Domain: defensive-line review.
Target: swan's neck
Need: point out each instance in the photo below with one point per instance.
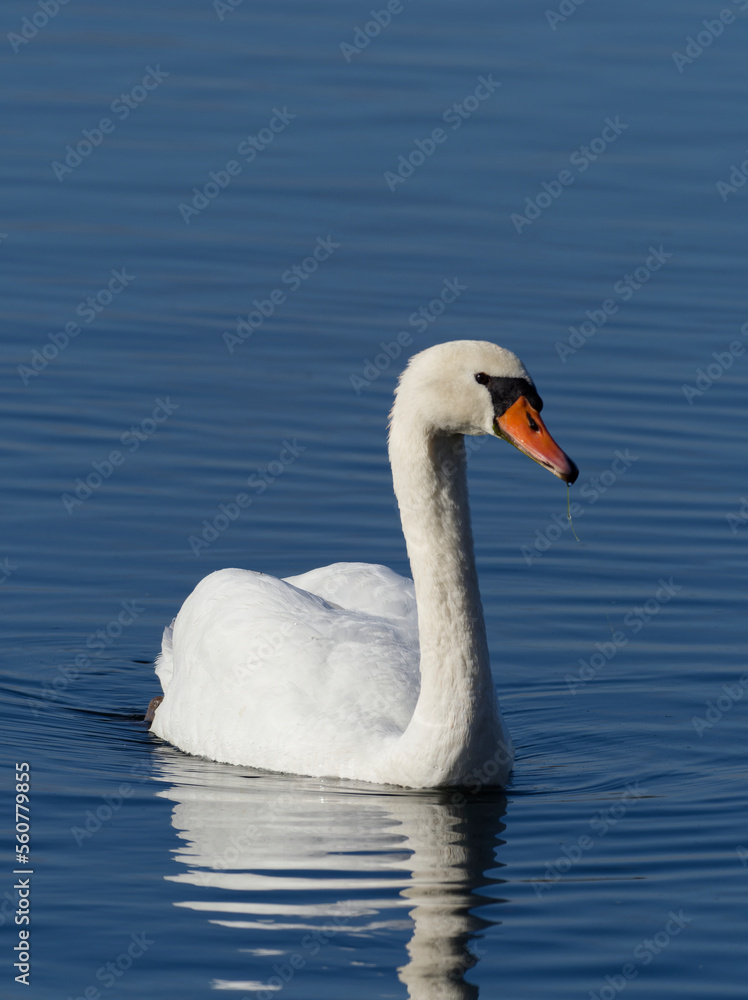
(456, 726)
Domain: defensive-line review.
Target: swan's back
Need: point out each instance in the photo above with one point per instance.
(296, 675)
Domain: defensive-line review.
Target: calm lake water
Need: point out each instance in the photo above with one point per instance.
(170, 170)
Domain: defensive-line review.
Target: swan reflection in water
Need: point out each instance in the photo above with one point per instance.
(314, 865)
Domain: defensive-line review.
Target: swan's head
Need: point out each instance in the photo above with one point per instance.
(474, 387)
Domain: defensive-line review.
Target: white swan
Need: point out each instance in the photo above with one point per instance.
(320, 674)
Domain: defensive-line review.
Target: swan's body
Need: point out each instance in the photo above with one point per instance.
(322, 674)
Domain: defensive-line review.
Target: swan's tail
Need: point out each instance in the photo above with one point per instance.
(164, 662)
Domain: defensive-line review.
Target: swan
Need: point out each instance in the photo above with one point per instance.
(351, 671)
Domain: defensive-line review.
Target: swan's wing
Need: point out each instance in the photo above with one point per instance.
(365, 587)
(268, 674)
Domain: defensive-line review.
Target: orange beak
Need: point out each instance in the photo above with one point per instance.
(522, 426)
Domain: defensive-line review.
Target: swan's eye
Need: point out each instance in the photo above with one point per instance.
(531, 423)
(482, 379)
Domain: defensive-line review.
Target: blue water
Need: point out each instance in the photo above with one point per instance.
(617, 861)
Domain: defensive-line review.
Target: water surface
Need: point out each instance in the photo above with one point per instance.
(618, 853)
